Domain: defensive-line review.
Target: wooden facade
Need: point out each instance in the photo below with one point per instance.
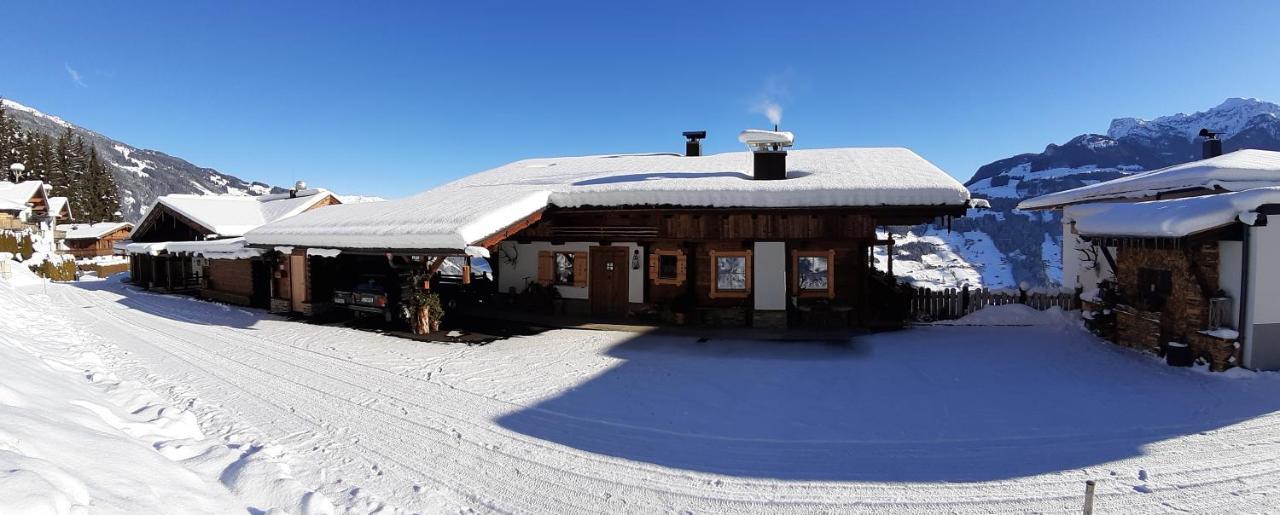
(676, 252)
(101, 246)
(264, 281)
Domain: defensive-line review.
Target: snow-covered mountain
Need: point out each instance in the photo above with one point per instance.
(1027, 244)
(141, 175)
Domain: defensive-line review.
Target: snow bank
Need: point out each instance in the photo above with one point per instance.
(1169, 218)
(75, 438)
(1015, 314)
(465, 211)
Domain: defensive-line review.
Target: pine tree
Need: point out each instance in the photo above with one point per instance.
(10, 144)
(68, 164)
(104, 203)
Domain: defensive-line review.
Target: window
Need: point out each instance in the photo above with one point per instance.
(562, 268)
(1154, 288)
(812, 273)
(667, 267)
(731, 271)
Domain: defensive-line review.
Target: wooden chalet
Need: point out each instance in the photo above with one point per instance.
(23, 205)
(767, 238)
(195, 243)
(94, 240)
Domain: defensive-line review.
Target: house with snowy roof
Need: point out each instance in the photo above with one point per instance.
(93, 240)
(1181, 260)
(196, 242)
(24, 204)
(762, 238)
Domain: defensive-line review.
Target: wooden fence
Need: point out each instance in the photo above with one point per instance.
(928, 305)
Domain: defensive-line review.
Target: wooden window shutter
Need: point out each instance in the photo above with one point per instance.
(681, 264)
(580, 271)
(831, 274)
(653, 267)
(546, 267)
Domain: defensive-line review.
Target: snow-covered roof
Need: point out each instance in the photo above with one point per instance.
(227, 248)
(92, 231)
(57, 205)
(15, 196)
(1237, 171)
(465, 211)
(233, 215)
(1169, 218)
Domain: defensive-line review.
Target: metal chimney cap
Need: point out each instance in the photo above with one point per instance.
(695, 135)
(1206, 133)
(763, 138)
(300, 185)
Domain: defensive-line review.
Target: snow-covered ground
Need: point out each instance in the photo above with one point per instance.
(931, 419)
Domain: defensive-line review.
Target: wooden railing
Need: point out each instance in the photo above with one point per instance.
(951, 303)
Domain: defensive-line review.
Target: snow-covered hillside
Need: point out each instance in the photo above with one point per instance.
(141, 175)
(1028, 242)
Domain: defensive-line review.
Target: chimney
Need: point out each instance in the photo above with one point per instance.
(1212, 145)
(297, 187)
(769, 154)
(693, 147)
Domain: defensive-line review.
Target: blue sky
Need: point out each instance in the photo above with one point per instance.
(394, 98)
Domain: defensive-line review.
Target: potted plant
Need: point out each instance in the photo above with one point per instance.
(424, 311)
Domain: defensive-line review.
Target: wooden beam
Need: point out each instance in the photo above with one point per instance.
(509, 230)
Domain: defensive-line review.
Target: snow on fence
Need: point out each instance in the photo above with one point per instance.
(927, 304)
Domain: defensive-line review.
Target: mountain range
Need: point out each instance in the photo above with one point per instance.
(1003, 247)
(141, 175)
(1000, 247)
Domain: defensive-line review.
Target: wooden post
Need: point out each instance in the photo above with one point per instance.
(1088, 496)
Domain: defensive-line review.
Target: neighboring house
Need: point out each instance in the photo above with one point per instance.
(194, 242)
(1187, 252)
(60, 209)
(23, 205)
(93, 240)
(742, 238)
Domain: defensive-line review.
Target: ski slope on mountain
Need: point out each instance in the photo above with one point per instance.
(951, 419)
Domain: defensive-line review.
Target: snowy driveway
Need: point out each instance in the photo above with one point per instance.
(964, 419)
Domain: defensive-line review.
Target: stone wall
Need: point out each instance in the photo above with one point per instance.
(1187, 310)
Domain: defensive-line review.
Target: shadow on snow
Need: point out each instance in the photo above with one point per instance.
(178, 307)
(928, 404)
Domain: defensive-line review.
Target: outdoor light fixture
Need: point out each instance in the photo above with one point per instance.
(635, 259)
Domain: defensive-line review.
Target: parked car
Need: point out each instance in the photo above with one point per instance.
(367, 297)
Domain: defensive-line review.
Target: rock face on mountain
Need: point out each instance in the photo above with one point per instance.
(1029, 242)
(141, 175)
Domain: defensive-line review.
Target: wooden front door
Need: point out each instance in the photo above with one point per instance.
(607, 286)
(297, 281)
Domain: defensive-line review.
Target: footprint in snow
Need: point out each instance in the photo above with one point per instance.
(1142, 474)
(1143, 489)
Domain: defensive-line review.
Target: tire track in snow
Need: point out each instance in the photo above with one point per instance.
(1061, 491)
